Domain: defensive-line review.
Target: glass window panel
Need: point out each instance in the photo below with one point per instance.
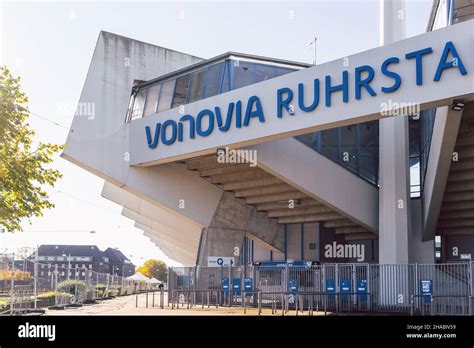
(138, 105)
(213, 80)
(244, 74)
(166, 95)
(348, 155)
(226, 80)
(310, 139)
(437, 241)
(368, 168)
(369, 138)
(414, 135)
(414, 171)
(180, 91)
(264, 72)
(196, 86)
(427, 119)
(330, 143)
(283, 71)
(152, 99)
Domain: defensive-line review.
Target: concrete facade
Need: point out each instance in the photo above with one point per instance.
(232, 220)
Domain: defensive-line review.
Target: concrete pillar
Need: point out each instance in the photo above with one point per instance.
(394, 180)
(232, 219)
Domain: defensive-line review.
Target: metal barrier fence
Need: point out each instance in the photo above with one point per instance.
(438, 289)
(26, 285)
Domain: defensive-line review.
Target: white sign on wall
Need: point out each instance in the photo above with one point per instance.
(217, 261)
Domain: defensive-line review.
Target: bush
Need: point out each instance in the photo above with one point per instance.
(52, 294)
(71, 286)
(100, 288)
(19, 275)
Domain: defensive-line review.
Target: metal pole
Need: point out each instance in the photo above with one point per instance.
(259, 301)
(56, 284)
(416, 289)
(12, 284)
(35, 284)
(68, 266)
(195, 283)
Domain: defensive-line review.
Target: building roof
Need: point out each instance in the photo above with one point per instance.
(221, 57)
(117, 257)
(74, 250)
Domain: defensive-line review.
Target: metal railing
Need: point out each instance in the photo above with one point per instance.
(26, 285)
(442, 304)
(350, 287)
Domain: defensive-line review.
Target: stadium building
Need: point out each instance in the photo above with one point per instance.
(241, 158)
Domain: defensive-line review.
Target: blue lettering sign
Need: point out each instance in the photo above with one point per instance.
(418, 55)
(455, 62)
(204, 123)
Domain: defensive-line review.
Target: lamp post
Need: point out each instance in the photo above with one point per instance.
(68, 264)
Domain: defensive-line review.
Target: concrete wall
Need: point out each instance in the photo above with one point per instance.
(298, 238)
(260, 253)
(443, 141)
(310, 235)
(293, 242)
(232, 220)
(463, 243)
(100, 144)
(419, 251)
(322, 179)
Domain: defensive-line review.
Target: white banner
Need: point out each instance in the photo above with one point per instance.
(217, 261)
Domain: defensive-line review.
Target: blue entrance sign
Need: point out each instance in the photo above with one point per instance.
(236, 286)
(426, 288)
(331, 288)
(346, 287)
(293, 286)
(248, 285)
(225, 285)
(362, 289)
(282, 264)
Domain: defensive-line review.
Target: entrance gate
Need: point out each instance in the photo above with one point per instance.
(435, 289)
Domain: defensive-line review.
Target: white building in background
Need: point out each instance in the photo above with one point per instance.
(335, 165)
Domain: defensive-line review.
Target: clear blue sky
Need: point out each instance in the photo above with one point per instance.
(50, 44)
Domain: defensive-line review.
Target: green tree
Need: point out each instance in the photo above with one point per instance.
(154, 268)
(23, 165)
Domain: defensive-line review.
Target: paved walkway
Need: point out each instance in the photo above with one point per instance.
(125, 305)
